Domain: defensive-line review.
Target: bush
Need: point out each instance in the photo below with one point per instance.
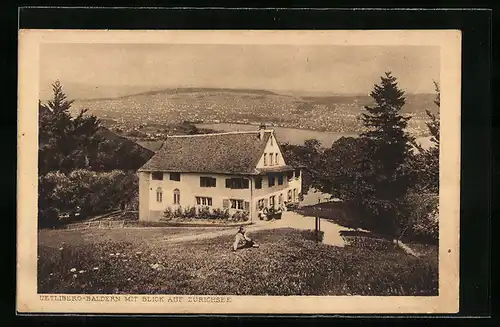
(167, 214)
(189, 213)
(220, 214)
(200, 213)
(423, 214)
(204, 213)
(92, 192)
(240, 216)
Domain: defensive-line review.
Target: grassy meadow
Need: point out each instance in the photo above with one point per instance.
(289, 262)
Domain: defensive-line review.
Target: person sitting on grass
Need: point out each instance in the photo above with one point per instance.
(242, 240)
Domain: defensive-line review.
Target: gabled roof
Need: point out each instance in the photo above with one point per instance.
(224, 153)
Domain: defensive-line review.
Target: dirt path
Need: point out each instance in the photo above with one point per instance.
(289, 220)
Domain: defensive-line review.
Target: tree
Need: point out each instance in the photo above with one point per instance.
(389, 177)
(307, 155)
(66, 143)
(426, 161)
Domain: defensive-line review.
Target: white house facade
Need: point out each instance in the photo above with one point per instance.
(237, 171)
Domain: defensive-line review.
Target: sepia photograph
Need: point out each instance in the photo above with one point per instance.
(209, 168)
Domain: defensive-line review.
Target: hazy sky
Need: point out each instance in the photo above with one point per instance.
(329, 68)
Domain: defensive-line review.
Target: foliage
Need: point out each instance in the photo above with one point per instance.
(91, 192)
(240, 216)
(307, 155)
(387, 173)
(423, 212)
(67, 143)
(426, 161)
(189, 213)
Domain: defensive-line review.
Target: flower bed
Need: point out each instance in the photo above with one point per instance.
(204, 214)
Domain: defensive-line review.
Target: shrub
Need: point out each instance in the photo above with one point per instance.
(423, 214)
(189, 213)
(240, 216)
(220, 214)
(168, 214)
(92, 192)
(204, 213)
(178, 212)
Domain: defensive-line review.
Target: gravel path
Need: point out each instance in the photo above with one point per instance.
(289, 220)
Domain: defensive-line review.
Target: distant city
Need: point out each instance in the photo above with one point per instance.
(153, 115)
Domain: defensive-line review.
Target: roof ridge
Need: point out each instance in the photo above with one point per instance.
(222, 133)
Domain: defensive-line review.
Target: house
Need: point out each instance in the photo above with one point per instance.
(238, 171)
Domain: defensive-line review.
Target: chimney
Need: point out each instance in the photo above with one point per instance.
(262, 128)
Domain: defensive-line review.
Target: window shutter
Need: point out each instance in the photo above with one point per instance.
(225, 202)
(247, 206)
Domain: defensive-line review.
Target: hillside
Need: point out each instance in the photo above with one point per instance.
(327, 113)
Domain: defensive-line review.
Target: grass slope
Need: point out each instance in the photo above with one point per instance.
(288, 262)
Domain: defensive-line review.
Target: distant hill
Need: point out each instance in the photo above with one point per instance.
(338, 113)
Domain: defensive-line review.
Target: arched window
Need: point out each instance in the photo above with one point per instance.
(177, 196)
(159, 195)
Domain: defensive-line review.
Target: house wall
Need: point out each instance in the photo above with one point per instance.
(266, 192)
(143, 195)
(271, 147)
(189, 188)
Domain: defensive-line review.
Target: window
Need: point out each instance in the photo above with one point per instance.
(204, 201)
(280, 199)
(280, 180)
(295, 194)
(271, 140)
(237, 204)
(271, 180)
(276, 159)
(159, 195)
(290, 175)
(208, 182)
(175, 177)
(258, 182)
(297, 173)
(177, 196)
(237, 183)
(157, 176)
(260, 204)
(289, 195)
(265, 159)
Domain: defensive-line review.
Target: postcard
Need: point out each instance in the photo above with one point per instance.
(219, 171)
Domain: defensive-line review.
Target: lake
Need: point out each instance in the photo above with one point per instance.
(296, 135)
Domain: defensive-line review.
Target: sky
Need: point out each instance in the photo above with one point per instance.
(310, 68)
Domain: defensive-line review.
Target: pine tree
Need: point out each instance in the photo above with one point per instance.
(389, 177)
(66, 143)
